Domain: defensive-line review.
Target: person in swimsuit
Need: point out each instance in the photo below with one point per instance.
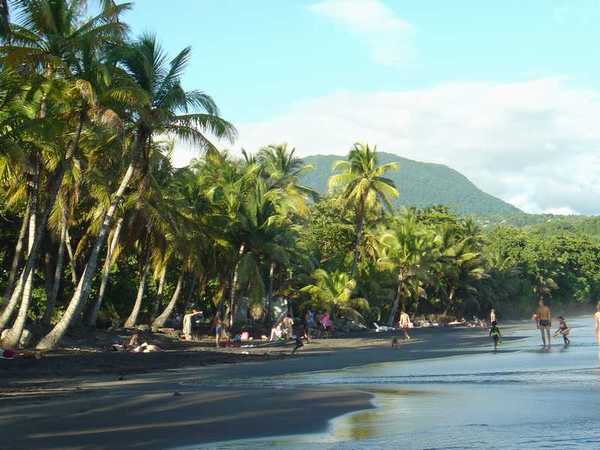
(492, 315)
(597, 322)
(544, 323)
(563, 330)
(495, 334)
(404, 324)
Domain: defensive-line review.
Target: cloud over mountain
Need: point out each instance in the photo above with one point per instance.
(534, 143)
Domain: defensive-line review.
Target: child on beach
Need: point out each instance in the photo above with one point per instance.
(495, 334)
(563, 330)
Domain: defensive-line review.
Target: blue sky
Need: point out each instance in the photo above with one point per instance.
(256, 57)
(507, 92)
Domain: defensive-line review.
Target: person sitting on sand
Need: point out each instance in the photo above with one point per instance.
(288, 326)
(128, 344)
(495, 334)
(326, 322)
(563, 330)
(276, 332)
(188, 320)
(147, 348)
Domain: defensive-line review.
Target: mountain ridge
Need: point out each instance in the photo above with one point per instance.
(420, 184)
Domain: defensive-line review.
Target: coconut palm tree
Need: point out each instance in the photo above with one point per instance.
(406, 248)
(363, 187)
(334, 291)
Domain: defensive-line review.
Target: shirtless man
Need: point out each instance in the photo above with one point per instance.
(597, 322)
(492, 315)
(544, 323)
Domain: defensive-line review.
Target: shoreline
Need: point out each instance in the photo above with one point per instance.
(198, 405)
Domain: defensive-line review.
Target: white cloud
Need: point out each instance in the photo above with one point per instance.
(533, 143)
(390, 39)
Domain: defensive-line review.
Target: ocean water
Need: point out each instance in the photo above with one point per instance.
(519, 398)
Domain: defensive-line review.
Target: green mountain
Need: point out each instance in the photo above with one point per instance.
(422, 184)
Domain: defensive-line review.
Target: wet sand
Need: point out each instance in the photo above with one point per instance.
(194, 405)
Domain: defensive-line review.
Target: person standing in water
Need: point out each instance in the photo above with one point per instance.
(544, 323)
(563, 330)
(597, 322)
(495, 334)
(404, 324)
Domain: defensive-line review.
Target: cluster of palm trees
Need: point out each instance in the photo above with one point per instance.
(84, 108)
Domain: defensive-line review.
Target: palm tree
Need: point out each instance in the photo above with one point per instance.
(334, 291)
(407, 249)
(460, 263)
(363, 187)
(168, 109)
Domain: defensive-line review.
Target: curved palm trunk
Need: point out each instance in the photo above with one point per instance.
(269, 295)
(234, 285)
(85, 281)
(159, 292)
(132, 319)
(14, 335)
(69, 248)
(396, 304)
(51, 301)
(110, 250)
(360, 222)
(159, 322)
(12, 275)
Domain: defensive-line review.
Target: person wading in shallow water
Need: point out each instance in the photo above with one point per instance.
(544, 323)
(597, 322)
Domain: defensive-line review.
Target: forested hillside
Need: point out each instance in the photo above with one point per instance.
(421, 185)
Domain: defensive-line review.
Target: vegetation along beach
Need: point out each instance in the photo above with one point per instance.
(179, 271)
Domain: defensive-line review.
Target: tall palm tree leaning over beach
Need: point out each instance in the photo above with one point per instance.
(363, 187)
(168, 109)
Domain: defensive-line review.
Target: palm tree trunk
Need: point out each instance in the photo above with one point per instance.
(14, 335)
(159, 322)
(159, 292)
(132, 319)
(234, 285)
(396, 304)
(58, 270)
(69, 248)
(85, 280)
(269, 295)
(110, 250)
(12, 275)
(360, 222)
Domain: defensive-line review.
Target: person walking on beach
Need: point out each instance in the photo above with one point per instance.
(310, 322)
(563, 330)
(544, 323)
(218, 329)
(404, 324)
(495, 334)
(492, 315)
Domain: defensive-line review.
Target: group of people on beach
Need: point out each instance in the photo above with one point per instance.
(543, 320)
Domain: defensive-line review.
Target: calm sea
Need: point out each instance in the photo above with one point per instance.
(518, 398)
